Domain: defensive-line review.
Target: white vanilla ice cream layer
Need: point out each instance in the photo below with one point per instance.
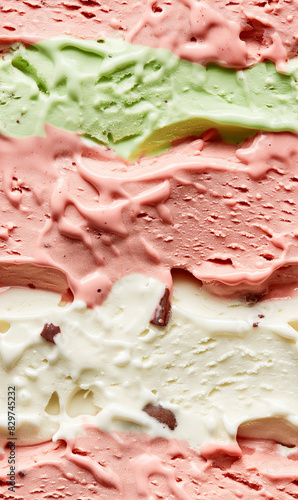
(218, 365)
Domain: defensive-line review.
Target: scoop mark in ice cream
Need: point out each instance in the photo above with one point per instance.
(50, 331)
(163, 415)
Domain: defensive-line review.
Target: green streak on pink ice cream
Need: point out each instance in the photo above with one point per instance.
(135, 99)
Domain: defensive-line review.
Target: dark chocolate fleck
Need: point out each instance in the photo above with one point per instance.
(77, 451)
(21, 473)
(162, 313)
(237, 478)
(163, 415)
(252, 298)
(88, 14)
(50, 331)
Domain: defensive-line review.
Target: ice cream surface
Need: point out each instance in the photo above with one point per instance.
(224, 213)
(224, 364)
(132, 380)
(138, 100)
(133, 466)
(235, 34)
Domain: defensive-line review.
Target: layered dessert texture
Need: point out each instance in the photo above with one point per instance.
(149, 249)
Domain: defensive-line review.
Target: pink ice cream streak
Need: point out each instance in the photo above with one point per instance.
(235, 34)
(133, 466)
(76, 216)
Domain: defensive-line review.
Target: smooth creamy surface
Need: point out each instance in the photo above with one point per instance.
(138, 100)
(236, 33)
(216, 365)
(74, 215)
(134, 467)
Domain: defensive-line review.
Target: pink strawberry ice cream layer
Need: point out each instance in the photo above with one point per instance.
(79, 217)
(235, 34)
(131, 467)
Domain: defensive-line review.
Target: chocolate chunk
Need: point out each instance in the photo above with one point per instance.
(252, 298)
(163, 415)
(77, 451)
(49, 331)
(162, 313)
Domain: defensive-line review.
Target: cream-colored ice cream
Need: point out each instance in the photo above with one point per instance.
(217, 365)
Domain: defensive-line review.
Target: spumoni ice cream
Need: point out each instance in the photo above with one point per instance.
(148, 310)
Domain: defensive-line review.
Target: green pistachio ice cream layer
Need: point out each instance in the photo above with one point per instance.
(136, 99)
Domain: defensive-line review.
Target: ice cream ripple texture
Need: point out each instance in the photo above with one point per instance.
(138, 100)
(235, 34)
(226, 367)
(112, 357)
(141, 468)
(225, 213)
(148, 249)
